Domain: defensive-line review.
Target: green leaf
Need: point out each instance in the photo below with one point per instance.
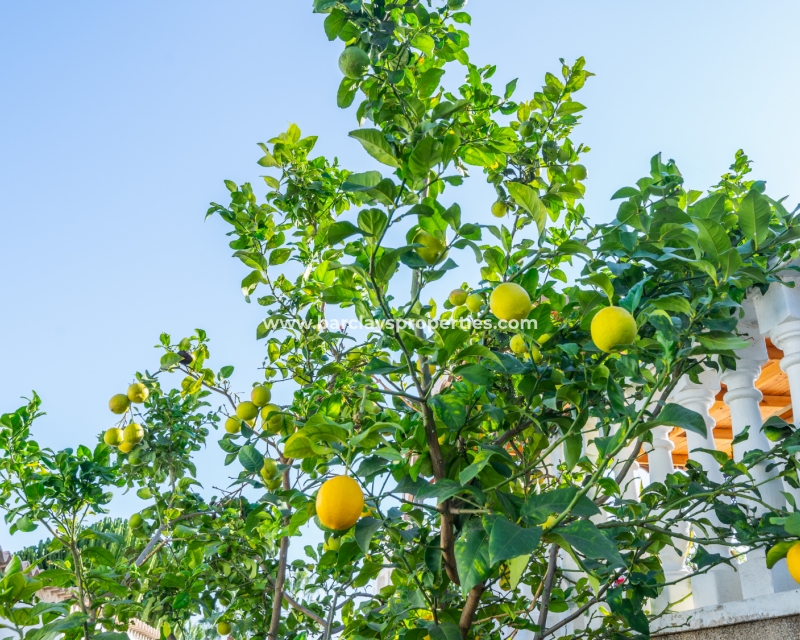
(713, 238)
(472, 557)
(450, 409)
(445, 631)
(376, 145)
(169, 360)
(754, 216)
(510, 541)
(677, 416)
(372, 222)
(346, 93)
(334, 22)
(479, 462)
(626, 192)
(528, 198)
(301, 447)
(365, 529)
(429, 82)
(586, 538)
(251, 458)
(539, 507)
(427, 154)
(424, 43)
(341, 230)
(792, 524)
(778, 552)
(721, 341)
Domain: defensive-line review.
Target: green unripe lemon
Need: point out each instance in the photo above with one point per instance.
(518, 345)
(224, 628)
(577, 172)
(371, 407)
(272, 417)
(509, 301)
(119, 403)
(233, 425)
(526, 129)
(126, 447)
(247, 410)
(260, 395)
(354, 62)
(432, 248)
(134, 433)
(613, 326)
(458, 297)
(137, 393)
(475, 303)
(499, 209)
(114, 437)
(136, 521)
(332, 544)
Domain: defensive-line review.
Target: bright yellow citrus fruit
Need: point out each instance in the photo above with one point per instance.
(224, 628)
(518, 345)
(544, 338)
(432, 248)
(134, 433)
(260, 395)
(233, 425)
(475, 303)
(114, 437)
(458, 297)
(793, 562)
(499, 209)
(340, 502)
(612, 327)
(119, 403)
(247, 410)
(536, 354)
(509, 301)
(126, 447)
(137, 393)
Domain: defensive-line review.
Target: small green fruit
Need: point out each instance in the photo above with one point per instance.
(247, 410)
(269, 470)
(134, 433)
(499, 209)
(577, 172)
(224, 628)
(475, 303)
(354, 62)
(136, 521)
(233, 425)
(260, 395)
(432, 249)
(137, 393)
(332, 544)
(526, 129)
(458, 297)
(119, 403)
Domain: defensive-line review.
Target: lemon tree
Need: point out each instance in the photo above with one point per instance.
(458, 460)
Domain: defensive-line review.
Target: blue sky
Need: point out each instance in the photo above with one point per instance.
(119, 121)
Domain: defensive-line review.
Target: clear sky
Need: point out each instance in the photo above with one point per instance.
(119, 121)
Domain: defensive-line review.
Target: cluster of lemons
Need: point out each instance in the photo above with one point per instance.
(272, 416)
(611, 326)
(126, 439)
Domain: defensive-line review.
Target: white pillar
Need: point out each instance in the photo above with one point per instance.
(678, 595)
(743, 399)
(720, 584)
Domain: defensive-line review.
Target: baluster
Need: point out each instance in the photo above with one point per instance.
(720, 584)
(659, 459)
(743, 399)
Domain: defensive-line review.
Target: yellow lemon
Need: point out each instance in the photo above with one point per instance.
(119, 403)
(458, 297)
(233, 425)
(126, 447)
(499, 209)
(551, 520)
(247, 410)
(114, 437)
(518, 345)
(475, 303)
(134, 433)
(543, 338)
(260, 395)
(137, 393)
(793, 562)
(611, 327)
(340, 502)
(432, 248)
(509, 301)
(224, 628)
(536, 354)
